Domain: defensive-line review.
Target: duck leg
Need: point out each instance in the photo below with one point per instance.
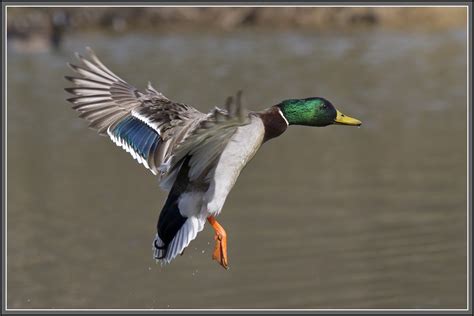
(220, 250)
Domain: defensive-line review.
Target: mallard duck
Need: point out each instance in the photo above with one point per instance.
(196, 156)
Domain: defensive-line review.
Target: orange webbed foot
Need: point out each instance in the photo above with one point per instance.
(220, 249)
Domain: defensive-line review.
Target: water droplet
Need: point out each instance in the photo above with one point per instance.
(28, 300)
(203, 251)
(149, 268)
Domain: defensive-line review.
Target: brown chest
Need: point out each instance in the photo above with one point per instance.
(273, 122)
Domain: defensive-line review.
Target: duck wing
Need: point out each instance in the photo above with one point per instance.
(158, 132)
(113, 107)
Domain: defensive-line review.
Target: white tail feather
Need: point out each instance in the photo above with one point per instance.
(181, 240)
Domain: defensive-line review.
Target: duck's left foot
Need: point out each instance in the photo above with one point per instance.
(220, 249)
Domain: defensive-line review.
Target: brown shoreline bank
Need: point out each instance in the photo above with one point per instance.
(33, 20)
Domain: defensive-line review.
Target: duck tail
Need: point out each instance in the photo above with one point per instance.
(164, 253)
(176, 227)
(159, 248)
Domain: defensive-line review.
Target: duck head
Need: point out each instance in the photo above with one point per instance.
(314, 112)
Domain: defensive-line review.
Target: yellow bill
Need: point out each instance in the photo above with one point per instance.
(342, 119)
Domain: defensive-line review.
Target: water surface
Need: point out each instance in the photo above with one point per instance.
(334, 217)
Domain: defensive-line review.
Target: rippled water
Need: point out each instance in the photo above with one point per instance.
(334, 217)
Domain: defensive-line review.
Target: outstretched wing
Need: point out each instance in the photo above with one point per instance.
(157, 132)
(113, 107)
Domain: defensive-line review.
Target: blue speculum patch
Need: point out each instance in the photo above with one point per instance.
(138, 135)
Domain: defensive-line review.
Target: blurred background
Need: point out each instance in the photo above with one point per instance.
(335, 217)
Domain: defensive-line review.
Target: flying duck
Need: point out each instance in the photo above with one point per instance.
(197, 157)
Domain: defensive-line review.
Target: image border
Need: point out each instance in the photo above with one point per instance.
(12, 4)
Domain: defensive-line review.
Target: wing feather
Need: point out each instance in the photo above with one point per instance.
(156, 131)
(106, 101)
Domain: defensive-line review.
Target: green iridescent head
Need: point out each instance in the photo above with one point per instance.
(313, 112)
